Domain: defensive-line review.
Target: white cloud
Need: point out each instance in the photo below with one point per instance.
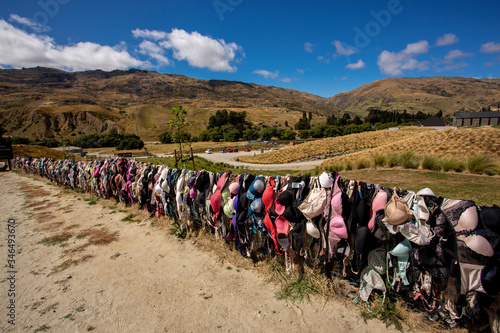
(417, 48)
(358, 65)
(300, 71)
(20, 49)
(341, 50)
(202, 51)
(323, 59)
(154, 51)
(308, 47)
(457, 54)
(394, 63)
(447, 39)
(36, 27)
(343, 78)
(149, 34)
(272, 75)
(267, 74)
(490, 47)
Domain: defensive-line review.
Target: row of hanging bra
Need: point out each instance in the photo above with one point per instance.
(434, 252)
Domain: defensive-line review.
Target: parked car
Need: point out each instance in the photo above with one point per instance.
(246, 149)
(222, 151)
(273, 149)
(208, 151)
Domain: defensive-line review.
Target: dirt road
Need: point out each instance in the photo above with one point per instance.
(79, 268)
(229, 158)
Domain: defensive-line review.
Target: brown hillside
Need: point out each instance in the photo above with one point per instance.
(426, 94)
(44, 102)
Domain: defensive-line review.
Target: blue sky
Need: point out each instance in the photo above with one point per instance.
(320, 47)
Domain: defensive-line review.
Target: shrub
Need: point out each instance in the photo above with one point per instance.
(431, 163)
(392, 161)
(165, 137)
(482, 165)
(379, 160)
(451, 164)
(362, 164)
(408, 160)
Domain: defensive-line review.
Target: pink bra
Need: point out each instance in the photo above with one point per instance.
(378, 203)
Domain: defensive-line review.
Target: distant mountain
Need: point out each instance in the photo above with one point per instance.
(427, 94)
(45, 102)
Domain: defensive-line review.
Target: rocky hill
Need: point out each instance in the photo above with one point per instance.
(45, 102)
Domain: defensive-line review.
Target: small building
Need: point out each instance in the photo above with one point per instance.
(483, 118)
(433, 121)
(72, 149)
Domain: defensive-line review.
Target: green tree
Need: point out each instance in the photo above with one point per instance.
(177, 125)
(288, 135)
(356, 121)
(165, 137)
(304, 134)
(267, 133)
(250, 134)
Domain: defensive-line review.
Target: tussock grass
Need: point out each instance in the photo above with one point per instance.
(408, 160)
(334, 146)
(392, 160)
(379, 160)
(362, 164)
(431, 163)
(482, 165)
(451, 164)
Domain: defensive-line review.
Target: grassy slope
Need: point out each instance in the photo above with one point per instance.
(333, 146)
(40, 151)
(459, 144)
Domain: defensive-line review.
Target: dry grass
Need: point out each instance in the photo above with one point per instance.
(41, 151)
(101, 236)
(334, 146)
(68, 263)
(458, 144)
(43, 217)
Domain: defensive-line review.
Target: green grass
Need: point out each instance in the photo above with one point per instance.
(129, 218)
(177, 231)
(42, 328)
(114, 256)
(392, 161)
(379, 160)
(481, 165)
(204, 164)
(408, 160)
(69, 316)
(54, 240)
(387, 314)
(483, 190)
(297, 290)
(431, 163)
(362, 164)
(451, 164)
